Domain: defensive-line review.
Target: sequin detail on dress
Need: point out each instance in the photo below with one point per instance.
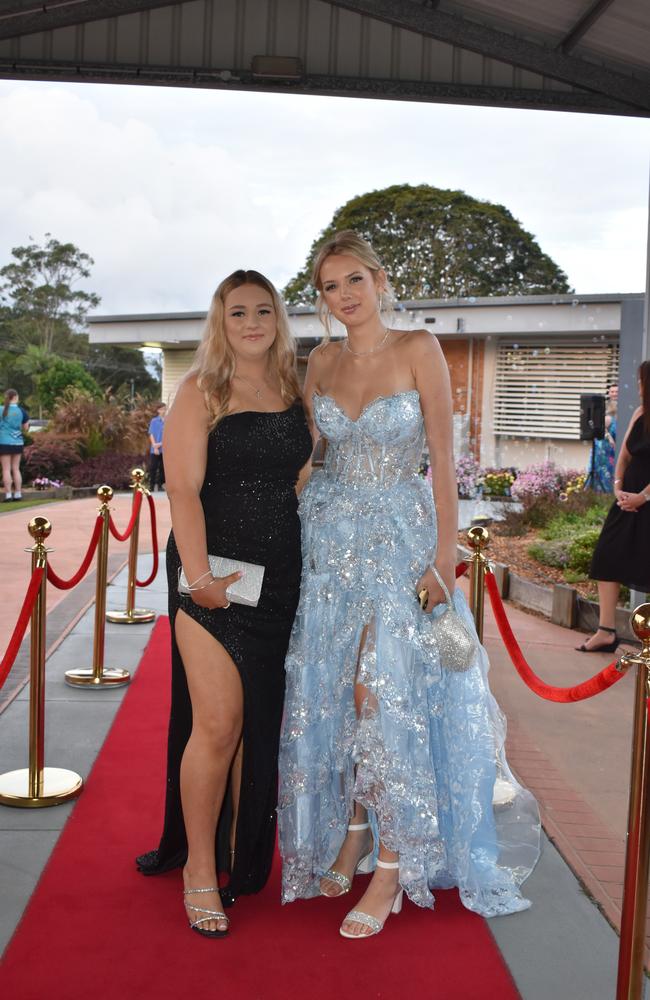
(250, 508)
(425, 753)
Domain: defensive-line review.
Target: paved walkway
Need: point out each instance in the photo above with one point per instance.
(72, 525)
(574, 757)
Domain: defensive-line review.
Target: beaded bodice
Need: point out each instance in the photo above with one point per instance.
(382, 447)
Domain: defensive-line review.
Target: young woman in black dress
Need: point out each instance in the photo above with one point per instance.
(623, 549)
(237, 449)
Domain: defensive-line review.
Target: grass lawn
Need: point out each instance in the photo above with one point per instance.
(9, 508)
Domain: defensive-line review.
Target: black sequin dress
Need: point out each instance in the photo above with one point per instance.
(250, 508)
(622, 553)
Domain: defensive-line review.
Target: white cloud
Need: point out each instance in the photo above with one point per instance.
(169, 190)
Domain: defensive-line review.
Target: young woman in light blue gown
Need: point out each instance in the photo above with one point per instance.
(388, 757)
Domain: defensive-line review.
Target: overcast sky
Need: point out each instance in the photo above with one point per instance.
(169, 190)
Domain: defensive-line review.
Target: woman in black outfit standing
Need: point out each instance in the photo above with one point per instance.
(622, 554)
(235, 443)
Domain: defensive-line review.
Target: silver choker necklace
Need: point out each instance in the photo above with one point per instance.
(363, 354)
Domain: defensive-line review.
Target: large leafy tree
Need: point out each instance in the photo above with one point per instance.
(441, 244)
(38, 285)
(43, 319)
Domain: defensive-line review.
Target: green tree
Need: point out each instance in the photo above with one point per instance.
(63, 375)
(121, 371)
(37, 286)
(440, 244)
(34, 363)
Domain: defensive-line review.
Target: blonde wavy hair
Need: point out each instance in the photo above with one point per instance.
(346, 241)
(214, 364)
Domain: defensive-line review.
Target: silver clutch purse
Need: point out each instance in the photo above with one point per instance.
(456, 644)
(245, 591)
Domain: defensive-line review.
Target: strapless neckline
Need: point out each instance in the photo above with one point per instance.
(368, 406)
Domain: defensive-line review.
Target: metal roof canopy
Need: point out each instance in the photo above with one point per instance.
(572, 55)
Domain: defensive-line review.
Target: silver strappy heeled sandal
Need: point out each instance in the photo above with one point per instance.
(208, 915)
(359, 917)
(364, 867)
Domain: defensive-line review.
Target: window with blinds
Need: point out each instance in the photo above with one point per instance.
(538, 384)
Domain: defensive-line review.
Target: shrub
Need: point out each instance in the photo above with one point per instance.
(554, 553)
(573, 521)
(59, 377)
(51, 457)
(468, 476)
(111, 468)
(103, 425)
(581, 550)
(498, 482)
(536, 481)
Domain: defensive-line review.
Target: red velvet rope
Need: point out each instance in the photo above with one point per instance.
(154, 545)
(461, 568)
(62, 584)
(21, 625)
(600, 682)
(137, 503)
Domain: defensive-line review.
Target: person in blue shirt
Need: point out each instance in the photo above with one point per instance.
(14, 421)
(156, 467)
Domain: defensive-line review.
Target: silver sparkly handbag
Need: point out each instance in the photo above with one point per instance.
(456, 645)
(245, 591)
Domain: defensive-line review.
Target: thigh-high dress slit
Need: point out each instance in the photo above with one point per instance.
(250, 507)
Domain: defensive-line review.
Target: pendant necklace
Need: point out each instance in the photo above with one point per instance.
(258, 392)
(363, 354)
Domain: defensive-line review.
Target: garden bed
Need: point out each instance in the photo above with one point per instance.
(513, 552)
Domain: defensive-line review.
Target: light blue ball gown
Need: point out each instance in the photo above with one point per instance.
(424, 756)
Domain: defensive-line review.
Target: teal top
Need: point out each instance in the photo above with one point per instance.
(11, 425)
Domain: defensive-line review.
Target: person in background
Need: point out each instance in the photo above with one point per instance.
(604, 456)
(621, 553)
(14, 422)
(156, 467)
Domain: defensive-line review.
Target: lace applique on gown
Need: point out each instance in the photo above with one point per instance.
(425, 754)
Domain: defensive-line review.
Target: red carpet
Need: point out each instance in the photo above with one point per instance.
(96, 928)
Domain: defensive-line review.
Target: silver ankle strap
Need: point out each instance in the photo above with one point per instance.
(358, 826)
(387, 864)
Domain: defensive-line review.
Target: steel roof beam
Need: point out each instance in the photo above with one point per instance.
(325, 84)
(477, 37)
(28, 18)
(582, 26)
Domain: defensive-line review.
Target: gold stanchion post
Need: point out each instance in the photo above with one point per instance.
(479, 539)
(99, 676)
(630, 982)
(38, 785)
(133, 615)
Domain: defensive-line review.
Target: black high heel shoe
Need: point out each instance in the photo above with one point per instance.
(608, 647)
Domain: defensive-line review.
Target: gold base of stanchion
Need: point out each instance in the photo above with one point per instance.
(110, 677)
(59, 786)
(135, 617)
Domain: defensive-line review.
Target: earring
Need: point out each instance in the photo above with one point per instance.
(380, 300)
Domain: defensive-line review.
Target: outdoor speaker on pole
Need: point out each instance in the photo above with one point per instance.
(592, 417)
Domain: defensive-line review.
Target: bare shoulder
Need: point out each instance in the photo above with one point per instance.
(321, 359)
(189, 401)
(421, 344)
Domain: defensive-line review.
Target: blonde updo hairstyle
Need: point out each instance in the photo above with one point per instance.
(346, 241)
(214, 364)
